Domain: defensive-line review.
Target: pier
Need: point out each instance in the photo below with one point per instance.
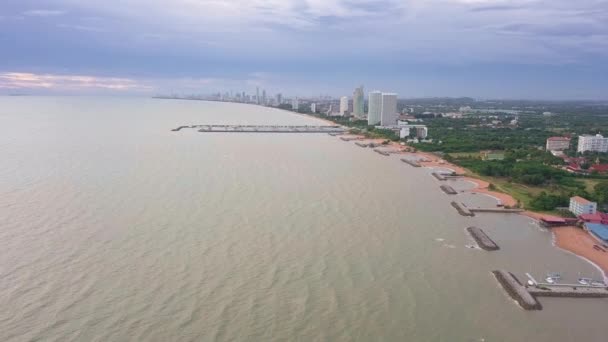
(262, 129)
(448, 190)
(497, 210)
(526, 296)
(482, 239)
(410, 162)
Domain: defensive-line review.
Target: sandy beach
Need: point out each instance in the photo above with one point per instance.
(572, 239)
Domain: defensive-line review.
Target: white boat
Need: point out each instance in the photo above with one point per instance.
(585, 281)
(550, 280)
(553, 278)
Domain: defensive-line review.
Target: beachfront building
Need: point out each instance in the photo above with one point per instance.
(596, 143)
(375, 108)
(358, 103)
(558, 143)
(295, 104)
(388, 113)
(344, 105)
(422, 132)
(313, 107)
(581, 206)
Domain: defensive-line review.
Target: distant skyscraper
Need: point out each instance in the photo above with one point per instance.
(295, 104)
(264, 96)
(313, 107)
(388, 114)
(343, 105)
(375, 108)
(257, 95)
(358, 103)
(279, 99)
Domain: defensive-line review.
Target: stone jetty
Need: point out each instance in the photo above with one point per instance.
(410, 162)
(516, 290)
(462, 210)
(384, 153)
(448, 190)
(482, 239)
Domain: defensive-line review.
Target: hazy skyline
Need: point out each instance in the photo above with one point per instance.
(554, 49)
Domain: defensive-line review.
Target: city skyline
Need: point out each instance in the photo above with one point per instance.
(501, 49)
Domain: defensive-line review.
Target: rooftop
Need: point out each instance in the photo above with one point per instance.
(581, 200)
(598, 229)
(558, 139)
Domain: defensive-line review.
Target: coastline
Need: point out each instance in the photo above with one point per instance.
(570, 239)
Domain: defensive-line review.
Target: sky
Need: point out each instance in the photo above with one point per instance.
(524, 49)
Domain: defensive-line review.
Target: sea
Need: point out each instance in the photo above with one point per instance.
(113, 227)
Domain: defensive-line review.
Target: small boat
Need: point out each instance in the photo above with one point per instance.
(585, 281)
(598, 283)
(530, 282)
(553, 278)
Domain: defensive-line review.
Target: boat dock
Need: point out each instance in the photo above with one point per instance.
(497, 210)
(526, 296)
(263, 129)
(384, 153)
(482, 239)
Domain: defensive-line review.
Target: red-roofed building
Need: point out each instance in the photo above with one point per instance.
(558, 143)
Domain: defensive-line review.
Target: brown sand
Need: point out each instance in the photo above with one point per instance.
(579, 242)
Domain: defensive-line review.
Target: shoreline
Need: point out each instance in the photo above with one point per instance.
(569, 239)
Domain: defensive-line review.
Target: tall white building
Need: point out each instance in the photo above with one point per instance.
(579, 206)
(388, 113)
(358, 103)
(344, 105)
(295, 104)
(595, 143)
(313, 107)
(374, 108)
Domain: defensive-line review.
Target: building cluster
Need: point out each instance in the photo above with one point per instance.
(594, 221)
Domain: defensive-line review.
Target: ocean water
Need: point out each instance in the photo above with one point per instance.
(114, 228)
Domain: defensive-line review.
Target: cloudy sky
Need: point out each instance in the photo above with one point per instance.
(545, 49)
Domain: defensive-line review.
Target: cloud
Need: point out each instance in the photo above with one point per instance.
(43, 13)
(21, 80)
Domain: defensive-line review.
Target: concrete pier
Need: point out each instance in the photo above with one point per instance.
(497, 210)
(482, 239)
(410, 162)
(263, 129)
(360, 144)
(517, 291)
(462, 210)
(448, 190)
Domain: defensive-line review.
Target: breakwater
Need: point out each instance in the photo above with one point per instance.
(410, 162)
(438, 176)
(462, 210)
(516, 290)
(482, 239)
(448, 190)
(384, 153)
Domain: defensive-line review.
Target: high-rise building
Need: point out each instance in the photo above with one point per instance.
(595, 143)
(375, 108)
(344, 105)
(388, 114)
(358, 103)
(279, 99)
(264, 96)
(257, 95)
(313, 107)
(295, 104)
